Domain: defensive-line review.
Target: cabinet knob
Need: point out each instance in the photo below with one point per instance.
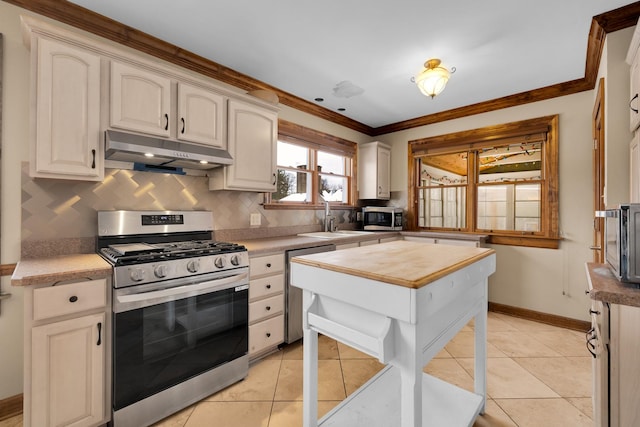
(73, 299)
(269, 265)
(268, 285)
(268, 308)
(268, 334)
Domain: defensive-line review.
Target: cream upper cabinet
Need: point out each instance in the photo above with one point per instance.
(201, 116)
(633, 59)
(634, 102)
(374, 171)
(140, 100)
(634, 169)
(252, 141)
(66, 138)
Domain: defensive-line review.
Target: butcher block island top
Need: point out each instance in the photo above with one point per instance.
(402, 263)
(400, 302)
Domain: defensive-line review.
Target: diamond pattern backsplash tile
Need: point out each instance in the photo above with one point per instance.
(54, 209)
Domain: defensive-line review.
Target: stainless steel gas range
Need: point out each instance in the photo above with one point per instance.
(180, 311)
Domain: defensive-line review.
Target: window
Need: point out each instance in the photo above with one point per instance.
(313, 167)
(501, 181)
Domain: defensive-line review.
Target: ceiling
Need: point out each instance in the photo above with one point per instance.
(311, 49)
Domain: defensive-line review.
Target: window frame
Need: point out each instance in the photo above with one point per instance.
(472, 140)
(315, 141)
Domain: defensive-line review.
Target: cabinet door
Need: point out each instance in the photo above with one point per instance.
(68, 372)
(253, 134)
(140, 100)
(384, 173)
(634, 168)
(201, 116)
(634, 103)
(67, 129)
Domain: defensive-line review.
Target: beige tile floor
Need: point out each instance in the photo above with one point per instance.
(538, 375)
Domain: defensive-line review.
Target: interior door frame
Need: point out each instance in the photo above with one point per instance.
(598, 169)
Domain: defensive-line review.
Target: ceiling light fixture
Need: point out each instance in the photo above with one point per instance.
(432, 80)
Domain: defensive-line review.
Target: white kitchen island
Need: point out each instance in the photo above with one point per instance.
(400, 302)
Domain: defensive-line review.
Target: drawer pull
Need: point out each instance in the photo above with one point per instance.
(99, 333)
(594, 312)
(268, 308)
(268, 334)
(268, 265)
(73, 299)
(268, 285)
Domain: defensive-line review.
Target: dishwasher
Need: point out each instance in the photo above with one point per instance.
(293, 295)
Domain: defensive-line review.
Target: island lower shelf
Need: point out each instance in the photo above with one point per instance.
(377, 403)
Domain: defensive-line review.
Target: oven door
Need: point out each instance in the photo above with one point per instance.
(167, 333)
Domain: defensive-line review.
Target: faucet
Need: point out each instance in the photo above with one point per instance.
(328, 219)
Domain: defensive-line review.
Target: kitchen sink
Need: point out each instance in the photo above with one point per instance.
(334, 234)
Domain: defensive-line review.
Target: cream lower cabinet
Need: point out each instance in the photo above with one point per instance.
(252, 140)
(67, 341)
(66, 137)
(266, 304)
(624, 369)
(68, 382)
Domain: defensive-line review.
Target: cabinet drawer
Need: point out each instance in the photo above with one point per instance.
(265, 286)
(266, 265)
(266, 307)
(266, 334)
(69, 299)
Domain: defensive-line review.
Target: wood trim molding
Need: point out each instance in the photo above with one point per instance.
(11, 406)
(84, 19)
(7, 269)
(537, 316)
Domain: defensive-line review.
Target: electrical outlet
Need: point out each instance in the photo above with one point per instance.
(255, 219)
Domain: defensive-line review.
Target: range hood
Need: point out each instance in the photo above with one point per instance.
(129, 147)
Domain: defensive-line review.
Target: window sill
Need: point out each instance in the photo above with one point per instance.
(509, 240)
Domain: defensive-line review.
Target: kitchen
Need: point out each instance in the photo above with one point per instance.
(558, 290)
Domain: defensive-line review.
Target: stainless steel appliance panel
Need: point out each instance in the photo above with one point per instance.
(293, 295)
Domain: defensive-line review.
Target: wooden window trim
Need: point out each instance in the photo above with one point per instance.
(529, 130)
(317, 140)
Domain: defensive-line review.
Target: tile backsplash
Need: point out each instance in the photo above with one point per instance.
(55, 209)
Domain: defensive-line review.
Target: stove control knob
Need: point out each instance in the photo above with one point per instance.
(220, 262)
(193, 266)
(235, 260)
(137, 274)
(160, 271)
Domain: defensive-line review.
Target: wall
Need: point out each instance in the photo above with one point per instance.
(545, 280)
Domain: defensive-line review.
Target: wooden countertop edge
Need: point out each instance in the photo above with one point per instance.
(413, 284)
(7, 269)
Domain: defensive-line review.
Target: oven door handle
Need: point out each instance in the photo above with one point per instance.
(178, 292)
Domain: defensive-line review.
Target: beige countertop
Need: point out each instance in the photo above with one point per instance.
(285, 243)
(606, 288)
(59, 269)
(403, 263)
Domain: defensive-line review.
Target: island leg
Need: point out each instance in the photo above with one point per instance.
(310, 371)
(480, 366)
(409, 363)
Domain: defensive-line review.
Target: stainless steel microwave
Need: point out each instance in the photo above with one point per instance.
(622, 241)
(382, 218)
